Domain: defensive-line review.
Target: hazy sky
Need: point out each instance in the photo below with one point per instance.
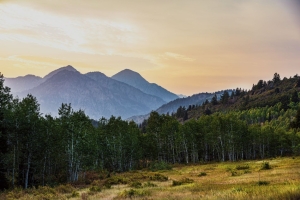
(187, 46)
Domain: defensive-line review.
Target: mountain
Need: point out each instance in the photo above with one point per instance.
(283, 93)
(136, 80)
(181, 96)
(22, 83)
(68, 68)
(95, 93)
(171, 107)
(28, 82)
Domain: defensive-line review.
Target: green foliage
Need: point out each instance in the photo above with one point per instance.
(263, 183)
(182, 182)
(65, 188)
(149, 184)
(74, 194)
(116, 180)
(95, 189)
(265, 166)
(136, 184)
(158, 177)
(202, 174)
(133, 193)
(156, 166)
(242, 167)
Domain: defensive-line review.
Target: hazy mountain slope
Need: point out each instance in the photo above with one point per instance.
(68, 68)
(28, 82)
(196, 99)
(262, 94)
(127, 95)
(95, 93)
(136, 80)
(22, 83)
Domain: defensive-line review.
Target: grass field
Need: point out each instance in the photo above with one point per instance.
(268, 179)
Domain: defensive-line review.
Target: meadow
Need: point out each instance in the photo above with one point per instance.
(277, 178)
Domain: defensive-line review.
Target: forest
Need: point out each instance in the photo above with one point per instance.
(38, 150)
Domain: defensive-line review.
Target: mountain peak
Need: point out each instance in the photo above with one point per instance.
(136, 80)
(68, 68)
(128, 73)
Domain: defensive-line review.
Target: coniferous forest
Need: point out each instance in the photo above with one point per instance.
(37, 149)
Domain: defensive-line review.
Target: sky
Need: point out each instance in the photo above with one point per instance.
(187, 47)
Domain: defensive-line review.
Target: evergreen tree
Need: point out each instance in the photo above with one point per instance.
(5, 100)
(214, 100)
(295, 97)
(276, 78)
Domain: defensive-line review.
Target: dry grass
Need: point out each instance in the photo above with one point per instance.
(229, 180)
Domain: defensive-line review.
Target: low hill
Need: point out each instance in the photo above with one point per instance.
(264, 93)
(172, 107)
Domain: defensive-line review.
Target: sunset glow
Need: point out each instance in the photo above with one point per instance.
(186, 47)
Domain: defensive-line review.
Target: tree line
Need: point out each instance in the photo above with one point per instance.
(38, 149)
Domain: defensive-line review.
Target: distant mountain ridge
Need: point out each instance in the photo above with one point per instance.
(171, 107)
(136, 80)
(94, 92)
(22, 83)
(28, 82)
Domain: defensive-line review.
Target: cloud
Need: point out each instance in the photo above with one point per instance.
(26, 63)
(178, 57)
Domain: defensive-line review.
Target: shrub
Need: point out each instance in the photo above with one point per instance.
(263, 183)
(183, 181)
(95, 189)
(155, 166)
(149, 184)
(74, 194)
(202, 174)
(133, 193)
(242, 167)
(116, 180)
(265, 166)
(136, 184)
(159, 177)
(65, 188)
(234, 173)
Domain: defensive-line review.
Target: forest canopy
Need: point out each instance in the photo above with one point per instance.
(37, 149)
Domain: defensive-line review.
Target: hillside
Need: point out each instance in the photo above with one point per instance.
(172, 107)
(28, 82)
(136, 80)
(22, 83)
(262, 94)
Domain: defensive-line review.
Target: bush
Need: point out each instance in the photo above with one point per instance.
(149, 184)
(242, 167)
(183, 181)
(265, 166)
(116, 180)
(263, 183)
(133, 193)
(65, 188)
(74, 194)
(95, 189)
(136, 184)
(155, 166)
(234, 173)
(159, 177)
(202, 174)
